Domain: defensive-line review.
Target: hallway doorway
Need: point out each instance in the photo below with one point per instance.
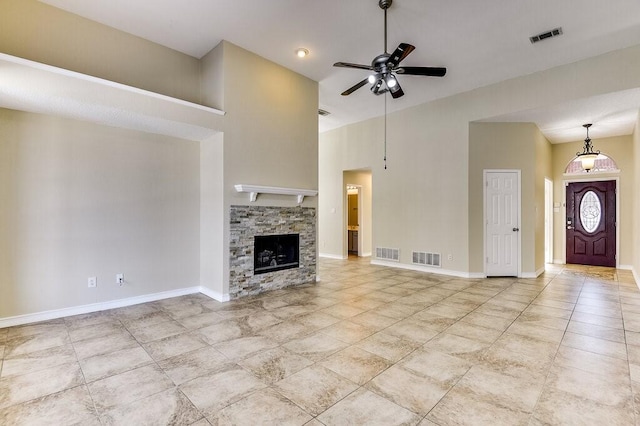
(357, 232)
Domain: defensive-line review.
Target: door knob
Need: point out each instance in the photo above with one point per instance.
(516, 229)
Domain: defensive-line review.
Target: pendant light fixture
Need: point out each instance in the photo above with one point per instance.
(588, 156)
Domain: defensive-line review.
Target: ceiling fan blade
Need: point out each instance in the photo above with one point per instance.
(401, 52)
(428, 71)
(350, 65)
(355, 87)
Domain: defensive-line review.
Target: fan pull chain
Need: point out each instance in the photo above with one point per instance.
(385, 131)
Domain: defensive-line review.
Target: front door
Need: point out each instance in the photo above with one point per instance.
(591, 223)
(502, 204)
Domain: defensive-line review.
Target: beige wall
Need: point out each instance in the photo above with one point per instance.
(620, 149)
(635, 218)
(362, 151)
(270, 134)
(212, 215)
(414, 195)
(422, 201)
(80, 200)
(544, 170)
(509, 146)
(39, 32)
(212, 77)
(271, 126)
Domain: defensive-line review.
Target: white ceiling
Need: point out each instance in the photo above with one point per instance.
(613, 114)
(480, 43)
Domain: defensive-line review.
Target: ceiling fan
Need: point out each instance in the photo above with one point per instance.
(385, 66)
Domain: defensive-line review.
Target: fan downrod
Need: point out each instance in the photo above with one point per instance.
(385, 4)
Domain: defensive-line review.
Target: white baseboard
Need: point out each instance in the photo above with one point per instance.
(559, 261)
(636, 276)
(332, 256)
(528, 275)
(366, 254)
(428, 269)
(476, 275)
(626, 267)
(447, 272)
(535, 274)
(220, 297)
(103, 306)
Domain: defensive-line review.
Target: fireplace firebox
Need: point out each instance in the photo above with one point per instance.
(275, 253)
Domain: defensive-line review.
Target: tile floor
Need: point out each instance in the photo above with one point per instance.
(368, 345)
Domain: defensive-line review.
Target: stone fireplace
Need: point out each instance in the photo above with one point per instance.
(273, 232)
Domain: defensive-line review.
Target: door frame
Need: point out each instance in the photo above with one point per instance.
(548, 225)
(565, 183)
(485, 173)
(346, 219)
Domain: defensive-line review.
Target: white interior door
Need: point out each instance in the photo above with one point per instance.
(502, 216)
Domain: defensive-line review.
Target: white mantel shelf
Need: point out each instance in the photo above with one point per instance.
(254, 190)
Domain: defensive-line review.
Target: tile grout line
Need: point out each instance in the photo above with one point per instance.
(626, 346)
(555, 355)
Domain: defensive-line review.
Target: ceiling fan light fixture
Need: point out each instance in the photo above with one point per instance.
(377, 86)
(588, 156)
(391, 81)
(386, 65)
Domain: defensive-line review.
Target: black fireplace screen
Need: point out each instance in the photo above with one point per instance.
(276, 252)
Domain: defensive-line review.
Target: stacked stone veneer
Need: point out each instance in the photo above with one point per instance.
(249, 221)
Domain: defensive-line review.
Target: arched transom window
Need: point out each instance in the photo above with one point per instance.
(603, 164)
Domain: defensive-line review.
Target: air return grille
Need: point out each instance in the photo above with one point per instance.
(323, 112)
(428, 259)
(388, 253)
(545, 35)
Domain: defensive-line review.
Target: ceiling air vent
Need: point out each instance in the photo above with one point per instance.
(547, 34)
(323, 112)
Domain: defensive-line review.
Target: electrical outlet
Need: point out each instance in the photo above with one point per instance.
(120, 279)
(92, 282)
(449, 256)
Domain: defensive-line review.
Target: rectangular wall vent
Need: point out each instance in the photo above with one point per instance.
(545, 35)
(388, 253)
(424, 258)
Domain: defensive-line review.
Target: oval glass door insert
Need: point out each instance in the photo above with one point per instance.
(590, 212)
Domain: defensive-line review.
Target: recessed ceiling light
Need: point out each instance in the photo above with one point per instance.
(302, 52)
